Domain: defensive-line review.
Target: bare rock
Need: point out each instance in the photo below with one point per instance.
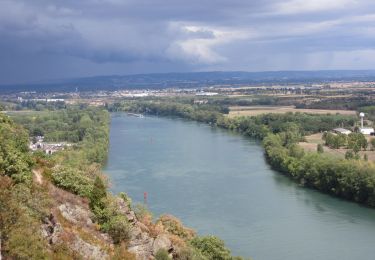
(86, 250)
(162, 242)
(131, 216)
(140, 243)
(142, 251)
(51, 229)
(122, 206)
(143, 227)
(75, 214)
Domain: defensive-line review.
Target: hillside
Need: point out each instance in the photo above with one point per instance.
(190, 80)
(57, 206)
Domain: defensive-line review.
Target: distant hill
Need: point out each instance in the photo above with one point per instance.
(192, 80)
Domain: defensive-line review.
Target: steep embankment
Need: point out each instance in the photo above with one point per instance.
(57, 206)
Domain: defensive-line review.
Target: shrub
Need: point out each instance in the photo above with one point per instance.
(72, 180)
(175, 227)
(190, 254)
(162, 254)
(211, 247)
(126, 198)
(319, 148)
(121, 253)
(142, 212)
(118, 228)
(98, 193)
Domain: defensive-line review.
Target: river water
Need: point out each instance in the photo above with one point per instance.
(218, 182)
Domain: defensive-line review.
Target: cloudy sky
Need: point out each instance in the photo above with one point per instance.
(41, 39)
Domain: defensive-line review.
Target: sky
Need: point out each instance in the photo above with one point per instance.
(55, 39)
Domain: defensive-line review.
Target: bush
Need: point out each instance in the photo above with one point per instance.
(319, 148)
(118, 228)
(211, 247)
(126, 199)
(98, 193)
(72, 180)
(162, 254)
(120, 253)
(190, 254)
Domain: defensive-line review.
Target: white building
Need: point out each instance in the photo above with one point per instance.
(342, 131)
(366, 130)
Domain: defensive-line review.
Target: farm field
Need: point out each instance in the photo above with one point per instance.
(258, 110)
(311, 146)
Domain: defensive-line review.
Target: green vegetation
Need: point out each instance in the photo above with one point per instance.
(211, 247)
(78, 168)
(354, 141)
(349, 179)
(22, 205)
(319, 148)
(162, 254)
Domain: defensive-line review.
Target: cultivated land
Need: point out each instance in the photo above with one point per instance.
(311, 146)
(258, 110)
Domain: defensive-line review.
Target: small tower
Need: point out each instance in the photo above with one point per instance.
(361, 115)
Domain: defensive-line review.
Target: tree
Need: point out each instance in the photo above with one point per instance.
(372, 144)
(211, 247)
(99, 192)
(357, 141)
(349, 155)
(319, 148)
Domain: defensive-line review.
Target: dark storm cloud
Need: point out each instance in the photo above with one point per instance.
(44, 39)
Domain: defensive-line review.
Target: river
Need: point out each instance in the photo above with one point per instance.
(219, 183)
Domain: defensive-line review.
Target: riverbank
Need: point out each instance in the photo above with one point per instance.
(82, 218)
(218, 182)
(344, 181)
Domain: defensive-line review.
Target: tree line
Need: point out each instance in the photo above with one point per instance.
(349, 179)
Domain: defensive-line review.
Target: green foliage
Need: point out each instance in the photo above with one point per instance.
(118, 228)
(349, 155)
(111, 220)
(191, 253)
(357, 141)
(21, 208)
(349, 179)
(14, 158)
(335, 141)
(73, 180)
(98, 193)
(372, 144)
(89, 128)
(162, 254)
(211, 247)
(319, 148)
(142, 211)
(126, 198)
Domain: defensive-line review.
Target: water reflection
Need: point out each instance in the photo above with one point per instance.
(217, 182)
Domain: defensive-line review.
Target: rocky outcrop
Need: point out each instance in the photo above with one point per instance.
(88, 251)
(75, 214)
(51, 229)
(162, 242)
(141, 243)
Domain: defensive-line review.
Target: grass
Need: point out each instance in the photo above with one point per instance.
(258, 110)
(313, 140)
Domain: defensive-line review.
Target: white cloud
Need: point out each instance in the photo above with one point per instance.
(202, 49)
(305, 6)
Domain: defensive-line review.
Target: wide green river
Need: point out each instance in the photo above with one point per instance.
(219, 183)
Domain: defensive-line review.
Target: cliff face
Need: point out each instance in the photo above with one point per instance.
(70, 225)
